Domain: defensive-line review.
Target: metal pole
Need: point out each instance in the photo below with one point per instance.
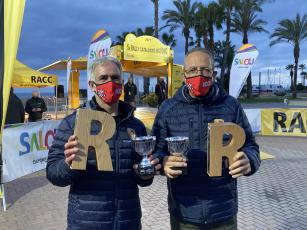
(56, 102)
(259, 82)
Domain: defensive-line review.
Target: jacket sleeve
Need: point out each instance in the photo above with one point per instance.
(57, 171)
(22, 111)
(141, 131)
(157, 90)
(250, 147)
(44, 107)
(126, 89)
(28, 108)
(159, 130)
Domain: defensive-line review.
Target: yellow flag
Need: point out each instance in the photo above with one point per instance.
(13, 16)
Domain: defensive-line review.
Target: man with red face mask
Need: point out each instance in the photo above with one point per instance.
(197, 201)
(101, 199)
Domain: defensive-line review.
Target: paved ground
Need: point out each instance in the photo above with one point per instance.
(274, 198)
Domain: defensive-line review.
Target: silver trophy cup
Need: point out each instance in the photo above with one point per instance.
(177, 146)
(144, 146)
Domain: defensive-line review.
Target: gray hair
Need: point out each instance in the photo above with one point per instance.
(202, 50)
(100, 61)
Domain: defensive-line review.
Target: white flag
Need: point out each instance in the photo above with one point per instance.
(241, 67)
(100, 46)
(68, 75)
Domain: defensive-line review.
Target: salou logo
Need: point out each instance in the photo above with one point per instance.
(99, 53)
(35, 141)
(244, 61)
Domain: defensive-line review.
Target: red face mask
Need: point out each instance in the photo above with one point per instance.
(199, 86)
(109, 92)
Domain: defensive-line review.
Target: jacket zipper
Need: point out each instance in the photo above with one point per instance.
(191, 133)
(201, 144)
(200, 125)
(116, 171)
(115, 226)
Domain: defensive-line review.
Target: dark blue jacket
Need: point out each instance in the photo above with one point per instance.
(98, 199)
(195, 197)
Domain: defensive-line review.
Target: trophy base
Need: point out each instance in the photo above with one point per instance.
(147, 171)
(183, 169)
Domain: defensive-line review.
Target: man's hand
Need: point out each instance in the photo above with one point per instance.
(241, 165)
(70, 150)
(173, 161)
(154, 162)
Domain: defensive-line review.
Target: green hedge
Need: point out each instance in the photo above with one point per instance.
(151, 100)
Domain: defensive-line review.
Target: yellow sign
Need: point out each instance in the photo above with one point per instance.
(25, 77)
(177, 78)
(146, 48)
(284, 122)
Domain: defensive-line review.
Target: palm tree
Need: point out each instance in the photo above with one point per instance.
(293, 32)
(201, 26)
(206, 19)
(219, 48)
(228, 7)
(290, 67)
(183, 17)
(169, 39)
(156, 3)
(302, 67)
(245, 21)
(214, 19)
(121, 38)
(149, 30)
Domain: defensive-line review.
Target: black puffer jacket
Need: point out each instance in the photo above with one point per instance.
(98, 199)
(35, 103)
(195, 197)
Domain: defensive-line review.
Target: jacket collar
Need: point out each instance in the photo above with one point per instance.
(215, 94)
(124, 109)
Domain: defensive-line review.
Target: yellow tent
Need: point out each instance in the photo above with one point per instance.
(25, 77)
(145, 56)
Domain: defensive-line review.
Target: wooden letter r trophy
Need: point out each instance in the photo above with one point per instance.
(85, 139)
(216, 150)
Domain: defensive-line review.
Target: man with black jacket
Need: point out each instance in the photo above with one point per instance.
(15, 110)
(100, 199)
(35, 107)
(197, 201)
(130, 91)
(160, 91)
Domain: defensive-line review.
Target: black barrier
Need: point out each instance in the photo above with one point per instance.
(60, 91)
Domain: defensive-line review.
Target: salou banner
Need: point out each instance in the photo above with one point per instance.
(100, 46)
(25, 148)
(241, 67)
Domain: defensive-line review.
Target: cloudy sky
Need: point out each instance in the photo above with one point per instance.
(54, 30)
